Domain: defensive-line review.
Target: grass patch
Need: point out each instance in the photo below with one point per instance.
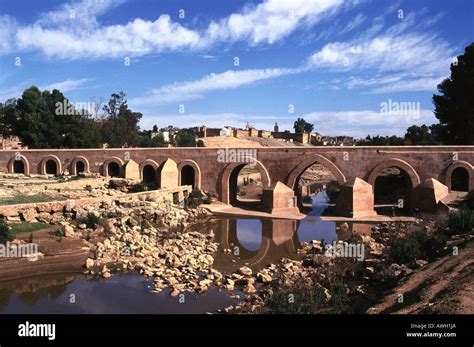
(27, 227)
(461, 222)
(30, 199)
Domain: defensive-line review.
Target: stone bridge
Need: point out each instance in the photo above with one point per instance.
(216, 169)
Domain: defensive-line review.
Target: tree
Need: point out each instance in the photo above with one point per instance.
(454, 107)
(417, 135)
(120, 128)
(45, 119)
(184, 139)
(302, 126)
(7, 117)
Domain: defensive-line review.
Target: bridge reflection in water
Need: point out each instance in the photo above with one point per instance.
(260, 242)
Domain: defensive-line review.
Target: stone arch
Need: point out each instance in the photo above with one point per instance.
(394, 162)
(49, 158)
(24, 160)
(197, 172)
(105, 165)
(460, 164)
(145, 163)
(225, 178)
(297, 171)
(75, 161)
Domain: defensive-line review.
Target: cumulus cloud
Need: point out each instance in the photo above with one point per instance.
(73, 31)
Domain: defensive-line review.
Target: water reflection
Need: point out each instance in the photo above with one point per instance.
(260, 242)
(122, 293)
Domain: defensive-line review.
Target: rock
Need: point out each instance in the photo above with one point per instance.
(106, 274)
(264, 278)
(68, 230)
(246, 271)
(370, 269)
(250, 289)
(89, 263)
(421, 262)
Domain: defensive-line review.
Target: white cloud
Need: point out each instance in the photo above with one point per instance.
(57, 35)
(362, 123)
(66, 85)
(270, 21)
(190, 90)
(414, 61)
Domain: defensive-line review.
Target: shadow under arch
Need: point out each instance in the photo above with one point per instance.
(197, 172)
(394, 162)
(225, 190)
(144, 164)
(76, 161)
(48, 159)
(21, 158)
(317, 158)
(456, 165)
(105, 166)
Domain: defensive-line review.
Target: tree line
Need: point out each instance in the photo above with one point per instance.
(44, 119)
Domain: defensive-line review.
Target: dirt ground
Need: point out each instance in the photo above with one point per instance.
(444, 287)
(59, 255)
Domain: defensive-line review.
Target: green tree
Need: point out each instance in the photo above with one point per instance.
(302, 126)
(120, 128)
(44, 119)
(419, 135)
(454, 107)
(7, 117)
(184, 139)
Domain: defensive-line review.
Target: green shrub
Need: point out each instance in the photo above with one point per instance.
(469, 203)
(405, 250)
(417, 245)
(91, 220)
(5, 232)
(308, 300)
(461, 222)
(196, 198)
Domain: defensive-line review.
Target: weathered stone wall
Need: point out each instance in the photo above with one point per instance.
(274, 163)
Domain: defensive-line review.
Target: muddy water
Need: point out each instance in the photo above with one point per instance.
(252, 242)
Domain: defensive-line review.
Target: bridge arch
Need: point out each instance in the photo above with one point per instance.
(77, 162)
(298, 171)
(195, 167)
(225, 184)
(51, 165)
(14, 167)
(460, 165)
(146, 168)
(398, 163)
(111, 164)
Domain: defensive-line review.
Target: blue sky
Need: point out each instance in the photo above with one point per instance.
(332, 62)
